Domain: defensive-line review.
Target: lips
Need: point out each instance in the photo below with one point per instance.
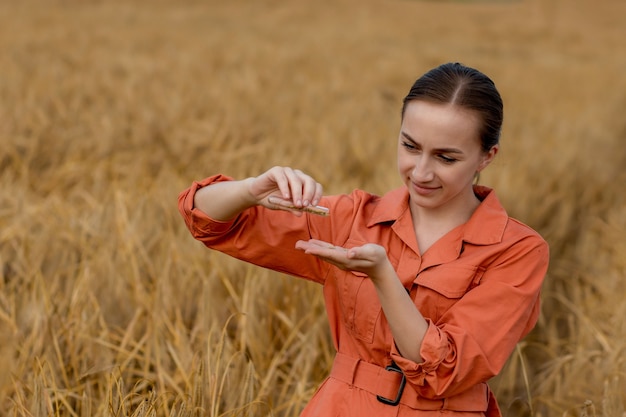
(424, 190)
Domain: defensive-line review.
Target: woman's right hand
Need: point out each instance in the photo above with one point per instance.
(225, 200)
(291, 185)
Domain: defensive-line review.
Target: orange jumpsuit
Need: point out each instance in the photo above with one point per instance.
(477, 287)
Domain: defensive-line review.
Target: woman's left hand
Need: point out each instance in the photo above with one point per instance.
(407, 324)
(370, 259)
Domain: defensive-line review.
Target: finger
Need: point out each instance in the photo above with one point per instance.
(270, 182)
(310, 188)
(321, 244)
(324, 250)
(298, 187)
(281, 178)
(317, 195)
(277, 203)
(295, 186)
(306, 245)
(360, 252)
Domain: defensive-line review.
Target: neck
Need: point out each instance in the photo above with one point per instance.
(452, 214)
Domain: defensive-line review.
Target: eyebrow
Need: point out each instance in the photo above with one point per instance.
(441, 150)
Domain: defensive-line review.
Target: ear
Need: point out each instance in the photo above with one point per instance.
(488, 157)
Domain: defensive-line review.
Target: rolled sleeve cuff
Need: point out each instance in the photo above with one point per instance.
(203, 225)
(432, 351)
(200, 225)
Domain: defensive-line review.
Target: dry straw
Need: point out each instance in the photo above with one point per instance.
(108, 109)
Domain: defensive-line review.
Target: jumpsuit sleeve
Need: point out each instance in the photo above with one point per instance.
(471, 342)
(259, 235)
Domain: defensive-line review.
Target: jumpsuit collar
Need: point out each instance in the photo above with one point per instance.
(485, 227)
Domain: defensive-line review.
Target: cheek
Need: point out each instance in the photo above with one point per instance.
(458, 176)
(404, 164)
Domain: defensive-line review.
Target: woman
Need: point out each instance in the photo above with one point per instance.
(427, 288)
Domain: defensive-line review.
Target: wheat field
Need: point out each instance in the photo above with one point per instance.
(108, 109)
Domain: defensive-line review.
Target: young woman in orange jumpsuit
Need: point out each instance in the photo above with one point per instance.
(428, 288)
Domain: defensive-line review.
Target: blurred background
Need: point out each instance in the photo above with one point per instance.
(108, 109)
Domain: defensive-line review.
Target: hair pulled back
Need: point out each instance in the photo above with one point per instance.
(457, 84)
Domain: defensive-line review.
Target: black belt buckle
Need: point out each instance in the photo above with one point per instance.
(394, 368)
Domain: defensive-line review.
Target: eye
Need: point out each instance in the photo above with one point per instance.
(409, 146)
(446, 159)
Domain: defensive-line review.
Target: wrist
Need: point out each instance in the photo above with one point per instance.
(248, 196)
(384, 273)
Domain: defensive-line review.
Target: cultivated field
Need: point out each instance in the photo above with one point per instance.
(108, 109)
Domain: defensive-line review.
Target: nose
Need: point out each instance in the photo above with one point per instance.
(422, 170)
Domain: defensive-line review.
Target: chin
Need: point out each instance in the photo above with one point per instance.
(420, 201)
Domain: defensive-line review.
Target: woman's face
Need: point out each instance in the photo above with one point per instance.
(439, 154)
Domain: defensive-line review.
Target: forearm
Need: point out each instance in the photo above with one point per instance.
(224, 200)
(406, 322)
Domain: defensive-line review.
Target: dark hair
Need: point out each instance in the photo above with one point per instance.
(454, 83)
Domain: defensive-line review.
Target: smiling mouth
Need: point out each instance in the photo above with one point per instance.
(423, 190)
